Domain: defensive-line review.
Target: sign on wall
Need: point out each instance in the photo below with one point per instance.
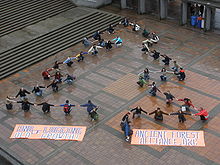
(52, 132)
(168, 137)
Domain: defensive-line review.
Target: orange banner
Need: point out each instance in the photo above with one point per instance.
(52, 132)
(168, 137)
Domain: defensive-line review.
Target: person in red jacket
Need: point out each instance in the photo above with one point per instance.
(204, 115)
(58, 77)
(46, 74)
(187, 103)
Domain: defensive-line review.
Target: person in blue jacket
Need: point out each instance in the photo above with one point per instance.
(90, 106)
(69, 61)
(127, 130)
(118, 41)
(67, 107)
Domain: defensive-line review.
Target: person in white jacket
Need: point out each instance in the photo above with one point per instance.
(94, 49)
(136, 27)
(155, 38)
(145, 48)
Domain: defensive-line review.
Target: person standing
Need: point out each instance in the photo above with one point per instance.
(204, 115)
(97, 36)
(145, 33)
(93, 114)
(125, 118)
(109, 45)
(187, 103)
(154, 89)
(80, 56)
(86, 42)
(25, 104)
(90, 106)
(69, 61)
(69, 79)
(125, 126)
(169, 97)
(102, 43)
(141, 81)
(111, 30)
(136, 27)
(175, 68)
(155, 38)
(124, 22)
(94, 49)
(145, 48)
(22, 93)
(54, 85)
(155, 55)
(166, 59)
(145, 74)
(37, 90)
(67, 107)
(45, 74)
(127, 130)
(180, 115)
(56, 65)
(58, 76)
(164, 72)
(9, 101)
(158, 114)
(181, 75)
(118, 41)
(46, 107)
(137, 111)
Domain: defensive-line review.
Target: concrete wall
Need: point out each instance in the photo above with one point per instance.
(217, 19)
(91, 3)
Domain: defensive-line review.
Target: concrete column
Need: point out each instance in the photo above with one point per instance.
(163, 9)
(184, 12)
(141, 7)
(123, 4)
(208, 16)
(148, 6)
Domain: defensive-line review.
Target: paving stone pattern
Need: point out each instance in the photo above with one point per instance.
(109, 80)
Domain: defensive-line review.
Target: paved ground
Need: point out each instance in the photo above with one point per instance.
(109, 80)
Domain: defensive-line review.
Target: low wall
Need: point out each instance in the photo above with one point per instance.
(91, 3)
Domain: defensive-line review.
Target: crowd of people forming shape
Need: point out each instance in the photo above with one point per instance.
(98, 43)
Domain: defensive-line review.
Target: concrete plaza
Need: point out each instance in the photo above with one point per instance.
(109, 80)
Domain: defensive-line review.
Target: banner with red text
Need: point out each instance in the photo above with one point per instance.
(168, 137)
(51, 132)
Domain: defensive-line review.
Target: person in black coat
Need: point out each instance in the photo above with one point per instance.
(54, 86)
(56, 65)
(166, 59)
(155, 54)
(158, 114)
(22, 93)
(109, 45)
(181, 116)
(25, 104)
(46, 107)
(97, 36)
(137, 111)
(169, 97)
(111, 30)
(181, 75)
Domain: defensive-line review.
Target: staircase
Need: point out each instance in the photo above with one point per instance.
(53, 42)
(17, 14)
